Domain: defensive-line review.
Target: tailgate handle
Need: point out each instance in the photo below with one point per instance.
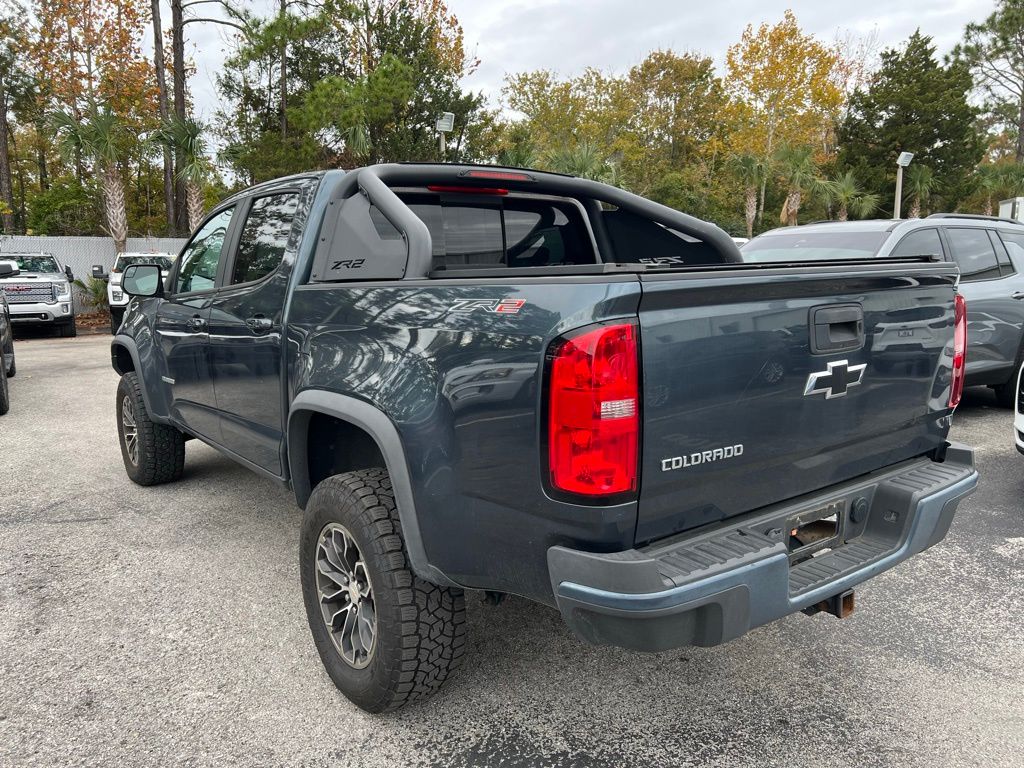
(837, 328)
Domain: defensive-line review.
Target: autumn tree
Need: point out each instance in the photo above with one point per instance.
(786, 90)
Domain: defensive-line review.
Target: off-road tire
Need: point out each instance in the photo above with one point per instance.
(421, 627)
(13, 369)
(5, 394)
(69, 330)
(161, 448)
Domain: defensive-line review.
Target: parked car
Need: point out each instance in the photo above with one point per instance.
(519, 382)
(7, 365)
(41, 292)
(990, 254)
(118, 299)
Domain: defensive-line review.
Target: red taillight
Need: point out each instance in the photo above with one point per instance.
(956, 381)
(594, 412)
(497, 175)
(467, 190)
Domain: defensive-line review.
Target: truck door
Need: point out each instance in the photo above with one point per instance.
(181, 328)
(245, 330)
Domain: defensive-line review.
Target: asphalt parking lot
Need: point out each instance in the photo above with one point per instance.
(165, 626)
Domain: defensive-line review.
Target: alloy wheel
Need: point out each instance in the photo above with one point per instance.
(346, 596)
(129, 431)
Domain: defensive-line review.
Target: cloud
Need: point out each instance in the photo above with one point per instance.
(568, 35)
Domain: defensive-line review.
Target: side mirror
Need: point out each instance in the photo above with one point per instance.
(9, 269)
(70, 274)
(142, 280)
(99, 273)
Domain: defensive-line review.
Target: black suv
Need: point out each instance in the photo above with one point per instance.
(989, 252)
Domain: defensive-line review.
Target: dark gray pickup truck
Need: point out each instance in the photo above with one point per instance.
(525, 383)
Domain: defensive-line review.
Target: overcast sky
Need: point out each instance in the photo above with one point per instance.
(569, 35)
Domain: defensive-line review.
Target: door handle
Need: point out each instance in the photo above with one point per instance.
(1017, 295)
(195, 324)
(259, 324)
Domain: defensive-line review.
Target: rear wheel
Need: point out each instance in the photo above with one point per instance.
(153, 453)
(385, 636)
(5, 395)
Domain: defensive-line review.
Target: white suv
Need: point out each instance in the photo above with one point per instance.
(117, 298)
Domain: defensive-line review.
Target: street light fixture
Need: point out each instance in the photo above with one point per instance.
(901, 162)
(445, 124)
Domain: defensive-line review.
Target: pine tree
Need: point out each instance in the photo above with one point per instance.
(915, 104)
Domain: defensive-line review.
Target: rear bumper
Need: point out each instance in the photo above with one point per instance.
(42, 313)
(711, 587)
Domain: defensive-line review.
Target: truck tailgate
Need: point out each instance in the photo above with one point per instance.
(759, 385)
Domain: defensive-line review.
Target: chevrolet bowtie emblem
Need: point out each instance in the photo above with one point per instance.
(836, 381)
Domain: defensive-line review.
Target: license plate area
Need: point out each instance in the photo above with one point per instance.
(815, 532)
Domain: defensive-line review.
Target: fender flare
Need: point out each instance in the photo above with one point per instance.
(377, 425)
(128, 344)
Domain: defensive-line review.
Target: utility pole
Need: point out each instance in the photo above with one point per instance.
(901, 162)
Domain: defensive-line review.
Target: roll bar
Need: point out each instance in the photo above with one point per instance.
(374, 181)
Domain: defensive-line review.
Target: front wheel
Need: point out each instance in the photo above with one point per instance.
(69, 330)
(385, 636)
(152, 453)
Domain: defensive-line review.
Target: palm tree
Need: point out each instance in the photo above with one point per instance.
(521, 155)
(750, 170)
(583, 160)
(795, 166)
(97, 135)
(185, 136)
(919, 186)
(991, 179)
(846, 192)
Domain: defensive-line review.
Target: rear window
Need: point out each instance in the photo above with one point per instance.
(813, 246)
(508, 231)
(164, 262)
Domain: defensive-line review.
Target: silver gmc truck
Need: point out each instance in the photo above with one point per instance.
(41, 292)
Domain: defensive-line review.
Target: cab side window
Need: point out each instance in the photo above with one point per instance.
(264, 237)
(973, 252)
(923, 242)
(201, 257)
(1014, 245)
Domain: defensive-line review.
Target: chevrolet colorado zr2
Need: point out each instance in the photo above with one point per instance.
(520, 382)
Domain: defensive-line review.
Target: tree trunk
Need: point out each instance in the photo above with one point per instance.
(790, 209)
(284, 69)
(760, 207)
(1020, 131)
(44, 176)
(114, 205)
(195, 205)
(161, 88)
(988, 204)
(751, 209)
(915, 208)
(6, 187)
(178, 63)
(844, 214)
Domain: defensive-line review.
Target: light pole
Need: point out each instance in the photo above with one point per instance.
(901, 162)
(445, 124)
